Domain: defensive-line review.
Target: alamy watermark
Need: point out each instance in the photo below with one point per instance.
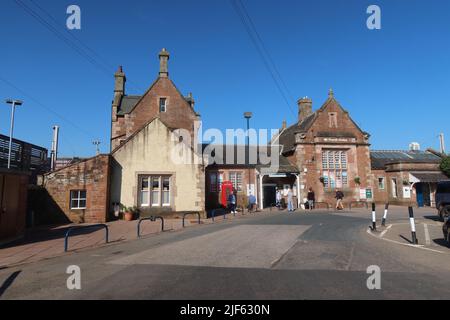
(374, 280)
(74, 280)
(73, 21)
(374, 20)
(231, 149)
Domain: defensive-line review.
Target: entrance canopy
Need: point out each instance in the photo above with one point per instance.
(428, 177)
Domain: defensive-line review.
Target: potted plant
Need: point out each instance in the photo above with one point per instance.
(129, 213)
(357, 180)
(322, 180)
(405, 182)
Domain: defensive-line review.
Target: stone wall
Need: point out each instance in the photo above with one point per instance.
(91, 175)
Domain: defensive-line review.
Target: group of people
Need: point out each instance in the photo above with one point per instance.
(232, 201)
(310, 203)
(310, 199)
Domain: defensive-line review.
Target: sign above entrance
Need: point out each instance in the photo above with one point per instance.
(278, 175)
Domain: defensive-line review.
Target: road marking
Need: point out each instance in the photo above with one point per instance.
(404, 244)
(427, 234)
(384, 232)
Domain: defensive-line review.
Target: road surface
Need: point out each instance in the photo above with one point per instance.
(273, 255)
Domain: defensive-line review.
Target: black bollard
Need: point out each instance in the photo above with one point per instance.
(374, 218)
(413, 225)
(383, 221)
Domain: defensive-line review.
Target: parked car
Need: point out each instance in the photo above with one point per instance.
(443, 199)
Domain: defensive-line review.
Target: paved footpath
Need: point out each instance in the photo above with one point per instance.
(271, 255)
(46, 242)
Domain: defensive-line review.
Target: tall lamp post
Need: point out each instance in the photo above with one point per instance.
(14, 104)
(248, 115)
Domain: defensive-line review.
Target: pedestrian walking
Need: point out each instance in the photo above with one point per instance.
(311, 198)
(278, 199)
(251, 202)
(339, 196)
(232, 202)
(290, 196)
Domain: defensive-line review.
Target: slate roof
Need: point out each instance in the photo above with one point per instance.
(287, 137)
(220, 157)
(380, 158)
(127, 104)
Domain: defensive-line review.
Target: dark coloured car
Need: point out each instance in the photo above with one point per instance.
(443, 199)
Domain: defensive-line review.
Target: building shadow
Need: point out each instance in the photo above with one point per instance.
(50, 233)
(433, 218)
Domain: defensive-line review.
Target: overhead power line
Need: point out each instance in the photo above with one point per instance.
(262, 50)
(72, 41)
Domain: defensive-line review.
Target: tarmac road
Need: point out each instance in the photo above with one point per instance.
(274, 255)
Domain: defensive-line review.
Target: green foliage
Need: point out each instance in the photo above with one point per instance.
(357, 180)
(445, 165)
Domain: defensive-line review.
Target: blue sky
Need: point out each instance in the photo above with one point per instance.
(394, 81)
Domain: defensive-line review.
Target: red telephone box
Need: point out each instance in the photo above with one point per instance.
(227, 188)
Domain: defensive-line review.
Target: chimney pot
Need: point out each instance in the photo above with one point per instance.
(304, 108)
(284, 125)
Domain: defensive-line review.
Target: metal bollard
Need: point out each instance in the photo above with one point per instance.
(383, 221)
(374, 217)
(413, 225)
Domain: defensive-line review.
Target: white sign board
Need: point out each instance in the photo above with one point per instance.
(250, 189)
(406, 192)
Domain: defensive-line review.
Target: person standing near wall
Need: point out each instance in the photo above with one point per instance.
(311, 198)
(278, 199)
(290, 196)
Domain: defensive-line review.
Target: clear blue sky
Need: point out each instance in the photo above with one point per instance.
(394, 82)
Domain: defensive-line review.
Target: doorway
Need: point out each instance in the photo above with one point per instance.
(269, 194)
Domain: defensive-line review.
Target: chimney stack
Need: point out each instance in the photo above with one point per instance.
(119, 82)
(284, 125)
(304, 108)
(163, 63)
(441, 143)
(54, 151)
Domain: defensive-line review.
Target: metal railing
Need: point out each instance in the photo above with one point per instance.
(66, 238)
(357, 202)
(187, 213)
(24, 156)
(151, 218)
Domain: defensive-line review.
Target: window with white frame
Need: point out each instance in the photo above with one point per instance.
(236, 180)
(381, 183)
(154, 191)
(162, 104)
(215, 181)
(77, 199)
(334, 168)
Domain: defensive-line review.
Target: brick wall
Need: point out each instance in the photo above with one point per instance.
(91, 175)
(179, 113)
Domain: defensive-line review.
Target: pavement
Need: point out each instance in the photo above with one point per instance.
(271, 255)
(48, 241)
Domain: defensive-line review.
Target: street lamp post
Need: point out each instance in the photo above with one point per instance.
(248, 115)
(13, 104)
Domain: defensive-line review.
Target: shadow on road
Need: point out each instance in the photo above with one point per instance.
(8, 282)
(434, 218)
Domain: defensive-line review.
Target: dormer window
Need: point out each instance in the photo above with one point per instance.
(162, 104)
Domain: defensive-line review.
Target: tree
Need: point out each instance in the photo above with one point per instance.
(445, 165)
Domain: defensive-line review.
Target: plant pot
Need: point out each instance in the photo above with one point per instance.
(128, 216)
